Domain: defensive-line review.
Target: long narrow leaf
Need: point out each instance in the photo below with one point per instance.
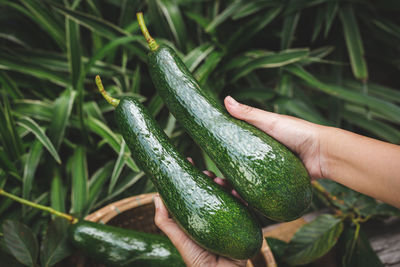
(30, 167)
(354, 43)
(45, 19)
(112, 139)
(102, 27)
(389, 110)
(280, 59)
(175, 21)
(289, 28)
(61, 113)
(33, 127)
(119, 165)
(224, 15)
(57, 191)
(79, 180)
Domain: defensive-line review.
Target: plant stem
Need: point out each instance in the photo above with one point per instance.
(332, 200)
(152, 43)
(70, 218)
(113, 101)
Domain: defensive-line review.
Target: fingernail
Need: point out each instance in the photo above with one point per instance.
(232, 102)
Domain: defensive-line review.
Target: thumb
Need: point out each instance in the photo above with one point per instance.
(262, 119)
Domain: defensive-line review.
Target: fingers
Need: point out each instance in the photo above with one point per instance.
(262, 119)
(164, 222)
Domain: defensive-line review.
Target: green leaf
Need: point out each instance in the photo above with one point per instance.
(331, 11)
(313, 240)
(354, 43)
(155, 105)
(30, 167)
(277, 247)
(34, 108)
(25, 66)
(175, 21)
(362, 254)
(98, 25)
(389, 110)
(119, 165)
(246, 33)
(21, 242)
(79, 177)
(97, 181)
(73, 51)
(197, 55)
(45, 19)
(378, 128)
(101, 53)
(112, 139)
(8, 133)
(10, 86)
(297, 5)
(377, 90)
(224, 15)
(55, 246)
(210, 165)
(125, 183)
(379, 209)
(204, 70)
(289, 27)
(318, 23)
(252, 7)
(271, 60)
(302, 110)
(33, 127)
(61, 112)
(57, 191)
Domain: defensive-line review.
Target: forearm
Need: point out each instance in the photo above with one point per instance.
(364, 164)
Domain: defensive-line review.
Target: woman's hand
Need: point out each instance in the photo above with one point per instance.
(300, 136)
(192, 254)
(366, 165)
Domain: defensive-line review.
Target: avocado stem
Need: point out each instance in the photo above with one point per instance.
(70, 218)
(152, 43)
(113, 101)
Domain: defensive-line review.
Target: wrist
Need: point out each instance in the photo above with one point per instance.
(325, 137)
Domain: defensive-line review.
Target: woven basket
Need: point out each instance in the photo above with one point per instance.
(137, 213)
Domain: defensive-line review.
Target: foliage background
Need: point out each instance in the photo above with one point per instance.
(327, 61)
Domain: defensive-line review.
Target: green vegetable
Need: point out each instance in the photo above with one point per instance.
(116, 246)
(209, 214)
(264, 172)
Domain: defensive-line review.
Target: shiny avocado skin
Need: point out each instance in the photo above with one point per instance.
(208, 213)
(116, 246)
(264, 172)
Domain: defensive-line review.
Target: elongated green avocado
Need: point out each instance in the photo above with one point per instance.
(264, 172)
(116, 246)
(209, 214)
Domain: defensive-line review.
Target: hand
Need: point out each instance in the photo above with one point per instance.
(192, 254)
(366, 165)
(300, 136)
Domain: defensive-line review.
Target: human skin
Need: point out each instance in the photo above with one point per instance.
(366, 165)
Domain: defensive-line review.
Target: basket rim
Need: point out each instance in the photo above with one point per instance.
(111, 210)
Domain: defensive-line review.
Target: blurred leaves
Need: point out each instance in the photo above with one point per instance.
(20, 242)
(307, 58)
(313, 240)
(55, 246)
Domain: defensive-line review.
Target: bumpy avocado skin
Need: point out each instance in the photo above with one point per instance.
(265, 173)
(208, 213)
(116, 246)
